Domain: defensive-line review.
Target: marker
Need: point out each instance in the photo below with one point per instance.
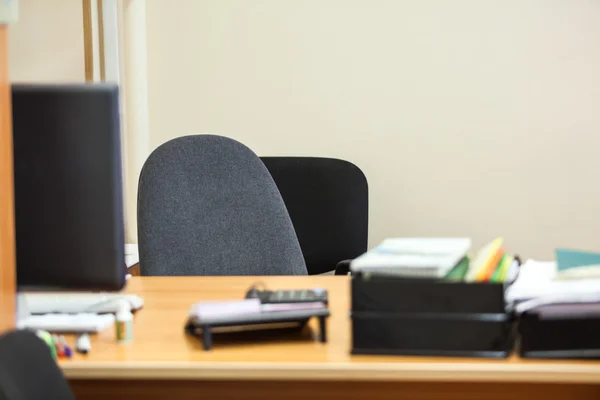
(60, 350)
(67, 351)
(47, 338)
(83, 344)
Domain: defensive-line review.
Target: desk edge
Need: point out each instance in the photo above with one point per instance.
(439, 372)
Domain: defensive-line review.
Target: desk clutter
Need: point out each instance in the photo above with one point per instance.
(430, 297)
(75, 312)
(261, 309)
(427, 297)
(60, 348)
(442, 258)
(559, 312)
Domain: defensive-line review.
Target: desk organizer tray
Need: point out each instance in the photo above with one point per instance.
(559, 338)
(393, 315)
(264, 321)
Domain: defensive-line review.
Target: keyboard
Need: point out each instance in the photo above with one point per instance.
(77, 303)
(77, 323)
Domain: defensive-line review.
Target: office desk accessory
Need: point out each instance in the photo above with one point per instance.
(395, 315)
(262, 309)
(124, 324)
(63, 350)
(559, 318)
(288, 296)
(77, 302)
(67, 322)
(83, 345)
(570, 333)
(46, 337)
(294, 319)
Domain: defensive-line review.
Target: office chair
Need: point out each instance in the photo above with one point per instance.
(208, 206)
(28, 371)
(328, 202)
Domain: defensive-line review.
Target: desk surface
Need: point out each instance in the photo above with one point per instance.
(161, 349)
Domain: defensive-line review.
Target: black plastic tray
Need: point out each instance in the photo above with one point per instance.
(565, 338)
(392, 315)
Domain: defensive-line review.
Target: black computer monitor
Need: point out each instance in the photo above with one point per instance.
(68, 190)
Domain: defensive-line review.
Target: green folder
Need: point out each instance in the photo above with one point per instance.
(497, 275)
(500, 274)
(459, 271)
(575, 264)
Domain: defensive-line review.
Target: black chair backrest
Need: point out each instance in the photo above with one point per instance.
(28, 371)
(208, 206)
(328, 202)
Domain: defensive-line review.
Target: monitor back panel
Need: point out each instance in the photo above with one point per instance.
(68, 190)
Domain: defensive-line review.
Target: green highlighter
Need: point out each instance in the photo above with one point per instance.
(47, 338)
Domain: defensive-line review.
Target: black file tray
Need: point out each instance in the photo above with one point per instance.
(392, 315)
(564, 338)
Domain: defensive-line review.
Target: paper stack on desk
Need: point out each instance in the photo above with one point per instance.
(537, 285)
(413, 257)
(436, 258)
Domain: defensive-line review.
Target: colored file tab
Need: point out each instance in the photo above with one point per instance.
(459, 271)
(574, 264)
(483, 265)
(485, 274)
(502, 270)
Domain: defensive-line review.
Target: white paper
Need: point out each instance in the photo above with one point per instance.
(222, 309)
(536, 281)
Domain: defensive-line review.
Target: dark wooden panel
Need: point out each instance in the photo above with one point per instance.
(253, 390)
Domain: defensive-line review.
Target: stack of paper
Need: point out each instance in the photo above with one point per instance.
(132, 255)
(537, 285)
(413, 257)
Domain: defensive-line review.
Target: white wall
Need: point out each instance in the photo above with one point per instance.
(469, 117)
(46, 45)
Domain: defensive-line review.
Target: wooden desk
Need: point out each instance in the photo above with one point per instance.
(7, 217)
(164, 363)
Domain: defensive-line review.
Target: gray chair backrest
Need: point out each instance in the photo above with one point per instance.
(207, 205)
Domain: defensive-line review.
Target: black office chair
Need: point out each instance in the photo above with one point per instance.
(207, 205)
(28, 371)
(328, 202)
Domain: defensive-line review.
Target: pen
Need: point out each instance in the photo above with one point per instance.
(67, 351)
(83, 344)
(60, 351)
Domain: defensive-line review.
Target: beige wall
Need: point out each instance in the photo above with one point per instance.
(469, 117)
(46, 45)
